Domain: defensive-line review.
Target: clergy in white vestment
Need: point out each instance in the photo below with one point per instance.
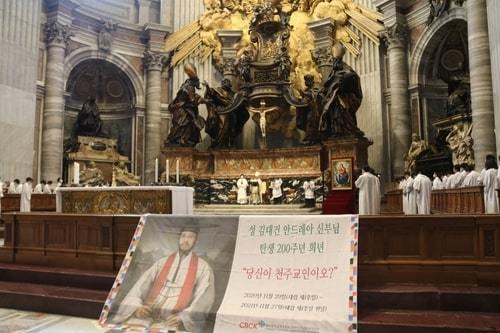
(309, 187)
(26, 195)
(437, 184)
(446, 181)
(490, 183)
(401, 186)
(47, 189)
(39, 187)
(14, 187)
(411, 204)
(369, 193)
(176, 293)
(277, 193)
(456, 178)
(422, 186)
(472, 179)
(242, 185)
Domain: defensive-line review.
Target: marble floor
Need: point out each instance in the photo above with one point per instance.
(14, 321)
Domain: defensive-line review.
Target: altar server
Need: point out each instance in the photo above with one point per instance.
(490, 185)
(472, 178)
(39, 187)
(437, 184)
(401, 186)
(26, 195)
(369, 192)
(242, 185)
(423, 186)
(47, 189)
(277, 194)
(411, 205)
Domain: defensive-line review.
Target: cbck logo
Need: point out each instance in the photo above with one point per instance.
(252, 325)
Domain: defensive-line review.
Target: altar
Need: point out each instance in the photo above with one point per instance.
(125, 200)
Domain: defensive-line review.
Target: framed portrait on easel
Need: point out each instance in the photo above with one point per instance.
(341, 173)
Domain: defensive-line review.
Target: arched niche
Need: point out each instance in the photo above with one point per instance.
(440, 54)
(115, 97)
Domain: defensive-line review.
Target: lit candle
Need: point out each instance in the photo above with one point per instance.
(167, 171)
(76, 173)
(177, 171)
(156, 170)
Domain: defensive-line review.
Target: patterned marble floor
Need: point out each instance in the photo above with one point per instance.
(14, 321)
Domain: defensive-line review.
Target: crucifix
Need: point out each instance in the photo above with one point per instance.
(262, 111)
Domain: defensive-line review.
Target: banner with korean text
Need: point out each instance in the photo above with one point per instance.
(292, 274)
(206, 274)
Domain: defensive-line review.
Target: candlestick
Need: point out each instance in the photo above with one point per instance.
(177, 180)
(156, 170)
(76, 173)
(167, 171)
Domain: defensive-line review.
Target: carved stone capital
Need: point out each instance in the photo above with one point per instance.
(227, 66)
(58, 34)
(156, 61)
(395, 36)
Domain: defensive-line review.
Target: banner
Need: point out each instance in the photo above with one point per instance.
(204, 274)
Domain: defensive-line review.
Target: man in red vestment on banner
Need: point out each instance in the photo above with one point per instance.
(176, 293)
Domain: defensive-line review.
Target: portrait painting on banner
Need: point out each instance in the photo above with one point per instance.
(341, 174)
(175, 278)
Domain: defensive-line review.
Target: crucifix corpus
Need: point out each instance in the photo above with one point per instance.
(262, 111)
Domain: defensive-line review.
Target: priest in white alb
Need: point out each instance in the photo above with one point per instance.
(422, 186)
(437, 184)
(472, 179)
(411, 205)
(26, 195)
(176, 293)
(490, 182)
(402, 186)
(369, 193)
(39, 187)
(242, 185)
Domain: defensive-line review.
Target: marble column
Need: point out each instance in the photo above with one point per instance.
(483, 119)
(324, 32)
(154, 62)
(395, 38)
(53, 114)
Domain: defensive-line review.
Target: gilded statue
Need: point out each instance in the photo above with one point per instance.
(123, 177)
(91, 175)
(460, 142)
(224, 122)
(417, 147)
(339, 99)
(186, 120)
(284, 64)
(243, 66)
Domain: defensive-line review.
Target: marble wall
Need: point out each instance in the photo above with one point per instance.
(494, 28)
(19, 31)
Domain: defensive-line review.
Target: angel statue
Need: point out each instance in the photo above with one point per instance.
(460, 142)
(186, 120)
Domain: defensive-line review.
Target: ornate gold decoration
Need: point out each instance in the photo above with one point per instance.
(116, 202)
(199, 38)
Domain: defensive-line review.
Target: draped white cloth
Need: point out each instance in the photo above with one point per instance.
(423, 187)
(490, 182)
(369, 194)
(193, 317)
(26, 197)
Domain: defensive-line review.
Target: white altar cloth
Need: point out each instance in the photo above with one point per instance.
(182, 197)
